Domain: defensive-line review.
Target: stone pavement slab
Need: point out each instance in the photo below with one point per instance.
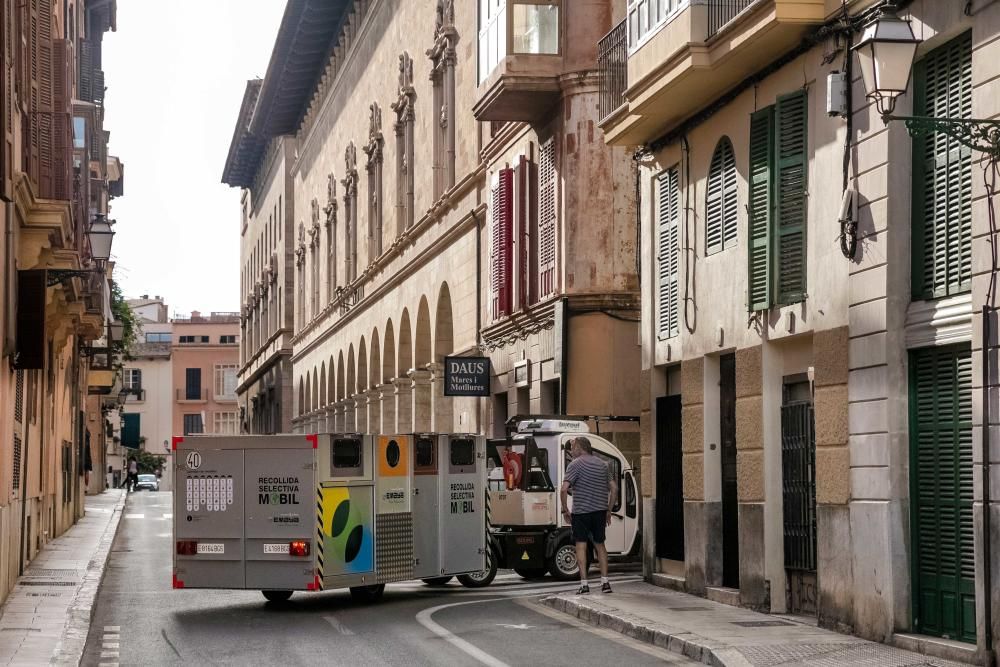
(46, 618)
(722, 635)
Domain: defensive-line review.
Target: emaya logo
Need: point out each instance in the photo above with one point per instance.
(278, 491)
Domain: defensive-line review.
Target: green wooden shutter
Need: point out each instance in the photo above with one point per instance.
(720, 199)
(941, 470)
(942, 175)
(668, 254)
(761, 209)
(130, 430)
(791, 172)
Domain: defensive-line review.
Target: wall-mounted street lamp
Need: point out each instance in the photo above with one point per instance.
(886, 53)
(100, 236)
(116, 331)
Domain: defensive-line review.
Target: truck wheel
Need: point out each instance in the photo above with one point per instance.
(480, 579)
(437, 581)
(367, 593)
(562, 564)
(277, 596)
(530, 573)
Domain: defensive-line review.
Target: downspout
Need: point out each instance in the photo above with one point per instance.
(564, 357)
(987, 559)
(479, 305)
(25, 456)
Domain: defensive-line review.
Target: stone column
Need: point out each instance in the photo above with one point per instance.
(350, 415)
(331, 418)
(387, 408)
(404, 406)
(443, 407)
(422, 407)
(372, 401)
(296, 425)
(339, 418)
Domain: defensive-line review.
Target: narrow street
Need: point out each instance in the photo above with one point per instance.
(139, 619)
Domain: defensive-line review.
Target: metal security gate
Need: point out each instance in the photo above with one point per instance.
(669, 479)
(798, 476)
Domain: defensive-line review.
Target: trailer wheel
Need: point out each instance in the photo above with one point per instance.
(437, 581)
(277, 596)
(480, 579)
(530, 573)
(562, 564)
(367, 593)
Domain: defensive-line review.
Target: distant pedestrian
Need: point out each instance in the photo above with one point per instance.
(133, 474)
(593, 488)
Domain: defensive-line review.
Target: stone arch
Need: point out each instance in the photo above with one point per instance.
(322, 385)
(308, 402)
(351, 385)
(315, 391)
(362, 366)
(444, 335)
(340, 376)
(389, 353)
(374, 360)
(422, 337)
(331, 393)
(302, 396)
(405, 345)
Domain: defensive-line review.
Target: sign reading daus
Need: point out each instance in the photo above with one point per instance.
(466, 376)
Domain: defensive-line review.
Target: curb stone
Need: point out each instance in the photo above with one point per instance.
(69, 650)
(676, 640)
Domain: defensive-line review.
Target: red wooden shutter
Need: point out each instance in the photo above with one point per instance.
(501, 255)
(44, 125)
(6, 98)
(546, 219)
(523, 241)
(62, 161)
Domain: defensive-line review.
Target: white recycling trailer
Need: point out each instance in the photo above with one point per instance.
(284, 513)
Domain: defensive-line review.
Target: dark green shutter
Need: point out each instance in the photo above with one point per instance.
(761, 212)
(942, 175)
(791, 172)
(130, 430)
(720, 199)
(941, 470)
(668, 254)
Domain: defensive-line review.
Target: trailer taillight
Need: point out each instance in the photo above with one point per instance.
(187, 548)
(298, 548)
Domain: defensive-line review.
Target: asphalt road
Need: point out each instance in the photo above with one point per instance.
(140, 620)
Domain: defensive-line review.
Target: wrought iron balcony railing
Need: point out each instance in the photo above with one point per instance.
(721, 12)
(612, 59)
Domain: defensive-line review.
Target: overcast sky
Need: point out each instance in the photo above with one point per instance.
(175, 74)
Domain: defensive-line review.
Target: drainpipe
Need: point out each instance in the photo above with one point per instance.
(987, 558)
(564, 356)
(25, 468)
(479, 305)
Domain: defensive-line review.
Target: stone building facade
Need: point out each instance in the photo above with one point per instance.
(53, 183)
(813, 283)
(427, 222)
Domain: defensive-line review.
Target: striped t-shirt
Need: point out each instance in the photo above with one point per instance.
(589, 477)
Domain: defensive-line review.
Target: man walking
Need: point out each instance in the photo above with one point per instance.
(589, 478)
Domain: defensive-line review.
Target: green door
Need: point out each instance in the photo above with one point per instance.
(944, 602)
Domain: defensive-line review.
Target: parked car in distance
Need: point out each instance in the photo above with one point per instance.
(148, 482)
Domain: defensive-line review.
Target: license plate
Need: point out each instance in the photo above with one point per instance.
(276, 548)
(211, 548)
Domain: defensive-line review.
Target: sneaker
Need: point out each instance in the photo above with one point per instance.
(606, 587)
(583, 590)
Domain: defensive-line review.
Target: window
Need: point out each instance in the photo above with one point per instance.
(158, 338)
(942, 175)
(668, 254)
(345, 458)
(500, 252)
(778, 182)
(721, 211)
(192, 384)
(644, 16)
(492, 35)
(79, 132)
(227, 340)
(204, 339)
(225, 381)
(131, 430)
(132, 379)
(193, 424)
(225, 423)
(463, 452)
(547, 218)
(535, 28)
(186, 339)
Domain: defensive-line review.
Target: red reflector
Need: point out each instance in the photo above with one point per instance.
(187, 548)
(298, 548)
(178, 583)
(314, 439)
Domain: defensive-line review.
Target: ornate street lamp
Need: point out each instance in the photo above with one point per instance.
(116, 331)
(100, 236)
(886, 53)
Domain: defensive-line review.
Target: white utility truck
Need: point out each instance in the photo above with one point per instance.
(284, 513)
(527, 530)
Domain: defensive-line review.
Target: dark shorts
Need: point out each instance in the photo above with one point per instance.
(589, 526)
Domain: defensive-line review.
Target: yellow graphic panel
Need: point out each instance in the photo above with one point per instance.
(393, 456)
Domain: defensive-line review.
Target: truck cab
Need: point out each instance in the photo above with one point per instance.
(524, 473)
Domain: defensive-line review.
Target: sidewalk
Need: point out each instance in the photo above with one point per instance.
(722, 635)
(46, 618)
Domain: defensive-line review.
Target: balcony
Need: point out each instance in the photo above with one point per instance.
(185, 396)
(520, 60)
(681, 61)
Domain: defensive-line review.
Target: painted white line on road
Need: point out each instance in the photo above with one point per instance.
(110, 645)
(424, 619)
(109, 654)
(135, 516)
(337, 625)
(112, 628)
(520, 626)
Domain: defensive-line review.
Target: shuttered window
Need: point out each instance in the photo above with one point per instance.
(760, 195)
(941, 467)
(131, 430)
(547, 212)
(778, 203)
(942, 175)
(668, 254)
(721, 210)
(501, 255)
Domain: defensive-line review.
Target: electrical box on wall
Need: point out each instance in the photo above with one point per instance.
(836, 94)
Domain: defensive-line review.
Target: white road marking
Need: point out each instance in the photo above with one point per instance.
(424, 619)
(109, 654)
(110, 645)
(135, 516)
(112, 628)
(511, 626)
(337, 625)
